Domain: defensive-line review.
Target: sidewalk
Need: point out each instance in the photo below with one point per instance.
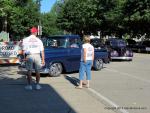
(79, 99)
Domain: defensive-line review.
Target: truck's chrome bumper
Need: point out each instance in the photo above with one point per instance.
(42, 71)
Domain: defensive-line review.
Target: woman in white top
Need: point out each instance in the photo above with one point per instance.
(87, 58)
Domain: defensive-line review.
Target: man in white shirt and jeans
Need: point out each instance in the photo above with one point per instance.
(34, 50)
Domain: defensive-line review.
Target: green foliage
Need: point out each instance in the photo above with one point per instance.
(20, 16)
(49, 22)
(137, 16)
(26, 16)
(109, 16)
(77, 15)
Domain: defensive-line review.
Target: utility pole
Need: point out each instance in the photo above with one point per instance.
(39, 26)
(4, 19)
(5, 24)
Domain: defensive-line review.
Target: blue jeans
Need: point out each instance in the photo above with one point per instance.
(85, 67)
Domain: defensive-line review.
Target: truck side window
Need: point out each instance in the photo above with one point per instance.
(74, 43)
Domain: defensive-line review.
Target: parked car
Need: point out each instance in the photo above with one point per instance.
(96, 42)
(118, 49)
(62, 53)
(131, 43)
(142, 46)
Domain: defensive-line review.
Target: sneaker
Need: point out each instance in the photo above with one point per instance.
(38, 87)
(28, 87)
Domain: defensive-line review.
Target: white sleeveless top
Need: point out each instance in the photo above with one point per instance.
(90, 51)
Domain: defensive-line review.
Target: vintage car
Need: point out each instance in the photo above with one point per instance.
(62, 53)
(118, 49)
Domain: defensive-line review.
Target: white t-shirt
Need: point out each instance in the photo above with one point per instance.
(32, 45)
(89, 53)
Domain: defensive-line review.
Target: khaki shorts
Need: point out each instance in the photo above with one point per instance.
(33, 62)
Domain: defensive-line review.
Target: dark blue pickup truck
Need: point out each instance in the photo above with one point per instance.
(62, 53)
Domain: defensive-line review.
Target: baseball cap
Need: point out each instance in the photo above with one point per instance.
(33, 30)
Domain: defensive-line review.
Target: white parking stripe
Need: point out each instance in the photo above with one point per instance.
(114, 105)
(129, 75)
(108, 101)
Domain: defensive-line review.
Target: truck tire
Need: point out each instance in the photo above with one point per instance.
(98, 64)
(55, 69)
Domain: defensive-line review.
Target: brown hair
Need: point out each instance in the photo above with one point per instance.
(86, 39)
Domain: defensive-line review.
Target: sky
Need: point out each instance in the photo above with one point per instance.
(46, 5)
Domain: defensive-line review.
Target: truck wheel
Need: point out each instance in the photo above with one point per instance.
(55, 69)
(98, 64)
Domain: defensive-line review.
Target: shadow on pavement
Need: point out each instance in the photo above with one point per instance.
(72, 80)
(15, 99)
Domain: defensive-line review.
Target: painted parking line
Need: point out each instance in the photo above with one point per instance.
(129, 75)
(113, 104)
(141, 55)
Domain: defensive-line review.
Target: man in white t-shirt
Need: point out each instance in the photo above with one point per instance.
(87, 58)
(34, 55)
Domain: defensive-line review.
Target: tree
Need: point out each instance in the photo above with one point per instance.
(49, 25)
(77, 15)
(5, 11)
(91, 15)
(108, 16)
(19, 16)
(137, 16)
(27, 15)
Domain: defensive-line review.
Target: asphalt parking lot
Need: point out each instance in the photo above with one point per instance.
(124, 85)
(121, 87)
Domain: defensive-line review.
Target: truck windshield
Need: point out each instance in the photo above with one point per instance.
(55, 42)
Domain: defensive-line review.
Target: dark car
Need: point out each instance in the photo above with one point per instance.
(62, 53)
(147, 45)
(142, 46)
(118, 49)
(96, 42)
(131, 43)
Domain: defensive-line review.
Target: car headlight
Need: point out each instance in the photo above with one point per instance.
(127, 53)
(131, 53)
(114, 53)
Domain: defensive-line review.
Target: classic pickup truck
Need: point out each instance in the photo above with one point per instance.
(62, 54)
